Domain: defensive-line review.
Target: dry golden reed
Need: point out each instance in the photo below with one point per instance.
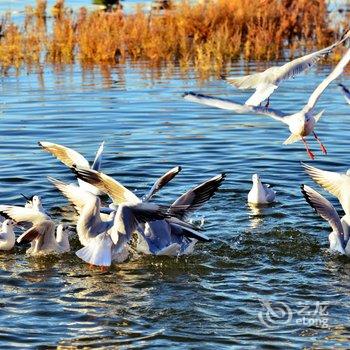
(206, 34)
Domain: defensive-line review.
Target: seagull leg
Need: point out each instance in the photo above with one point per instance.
(323, 148)
(310, 154)
(267, 103)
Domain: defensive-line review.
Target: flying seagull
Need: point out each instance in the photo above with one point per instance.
(300, 124)
(265, 83)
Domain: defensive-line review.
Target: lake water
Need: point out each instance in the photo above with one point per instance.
(215, 298)
(212, 298)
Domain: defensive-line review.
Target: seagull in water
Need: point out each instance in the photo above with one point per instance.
(102, 244)
(338, 184)
(159, 238)
(166, 237)
(265, 83)
(260, 193)
(338, 239)
(70, 157)
(345, 92)
(300, 124)
(7, 236)
(41, 235)
(120, 195)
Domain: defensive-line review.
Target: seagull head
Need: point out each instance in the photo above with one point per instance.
(36, 200)
(255, 178)
(8, 223)
(64, 230)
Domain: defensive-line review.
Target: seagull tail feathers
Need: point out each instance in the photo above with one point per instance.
(98, 252)
(292, 139)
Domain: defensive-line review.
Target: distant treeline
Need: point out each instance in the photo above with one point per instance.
(206, 34)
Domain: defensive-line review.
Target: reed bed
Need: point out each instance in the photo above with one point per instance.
(205, 34)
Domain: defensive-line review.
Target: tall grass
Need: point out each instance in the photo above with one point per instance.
(206, 34)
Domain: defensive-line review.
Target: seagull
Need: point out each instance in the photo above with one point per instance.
(107, 240)
(41, 235)
(192, 199)
(112, 243)
(29, 201)
(260, 193)
(300, 124)
(265, 83)
(7, 236)
(338, 240)
(166, 237)
(338, 184)
(69, 157)
(79, 197)
(345, 92)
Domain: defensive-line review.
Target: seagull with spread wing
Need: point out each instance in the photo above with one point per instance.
(265, 83)
(338, 184)
(157, 237)
(166, 237)
(70, 157)
(119, 194)
(108, 240)
(300, 124)
(338, 241)
(41, 235)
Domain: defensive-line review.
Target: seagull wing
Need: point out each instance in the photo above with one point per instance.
(263, 91)
(21, 214)
(187, 230)
(128, 217)
(196, 197)
(332, 76)
(37, 230)
(75, 194)
(335, 183)
(114, 189)
(98, 158)
(234, 106)
(161, 182)
(323, 208)
(66, 155)
(267, 81)
(300, 64)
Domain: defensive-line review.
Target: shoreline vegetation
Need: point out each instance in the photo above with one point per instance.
(206, 35)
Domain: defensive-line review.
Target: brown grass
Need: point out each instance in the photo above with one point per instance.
(206, 35)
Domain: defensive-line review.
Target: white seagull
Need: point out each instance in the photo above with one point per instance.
(166, 237)
(338, 240)
(345, 92)
(157, 236)
(70, 157)
(7, 236)
(119, 193)
(338, 184)
(260, 193)
(300, 124)
(41, 235)
(265, 83)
